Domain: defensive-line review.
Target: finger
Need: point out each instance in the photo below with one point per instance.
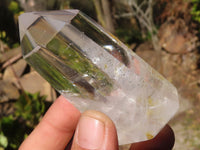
(95, 131)
(163, 141)
(56, 128)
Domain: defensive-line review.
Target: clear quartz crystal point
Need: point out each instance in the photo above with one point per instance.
(94, 70)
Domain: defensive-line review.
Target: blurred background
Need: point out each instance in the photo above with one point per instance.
(165, 33)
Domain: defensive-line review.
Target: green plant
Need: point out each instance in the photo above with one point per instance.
(29, 109)
(3, 140)
(129, 35)
(9, 12)
(196, 10)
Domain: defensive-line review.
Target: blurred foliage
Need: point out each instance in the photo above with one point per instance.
(14, 128)
(14, 7)
(86, 6)
(30, 107)
(129, 35)
(196, 10)
(9, 12)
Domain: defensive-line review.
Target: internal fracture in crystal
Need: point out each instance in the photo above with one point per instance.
(94, 70)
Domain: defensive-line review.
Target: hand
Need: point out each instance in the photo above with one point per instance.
(91, 130)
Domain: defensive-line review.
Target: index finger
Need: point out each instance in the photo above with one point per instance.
(56, 128)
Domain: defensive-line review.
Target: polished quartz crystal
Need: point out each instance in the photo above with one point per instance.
(94, 70)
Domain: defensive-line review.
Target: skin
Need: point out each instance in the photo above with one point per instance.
(62, 122)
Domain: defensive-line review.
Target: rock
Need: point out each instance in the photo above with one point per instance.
(8, 91)
(33, 83)
(9, 54)
(198, 96)
(175, 37)
(3, 47)
(18, 67)
(146, 52)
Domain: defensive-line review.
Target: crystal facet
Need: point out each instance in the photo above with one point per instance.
(94, 70)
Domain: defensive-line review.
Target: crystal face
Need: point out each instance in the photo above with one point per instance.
(94, 70)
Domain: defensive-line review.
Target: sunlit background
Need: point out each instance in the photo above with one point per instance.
(165, 33)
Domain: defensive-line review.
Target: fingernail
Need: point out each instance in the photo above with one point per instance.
(90, 133)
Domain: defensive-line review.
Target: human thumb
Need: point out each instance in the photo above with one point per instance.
(95, 131)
